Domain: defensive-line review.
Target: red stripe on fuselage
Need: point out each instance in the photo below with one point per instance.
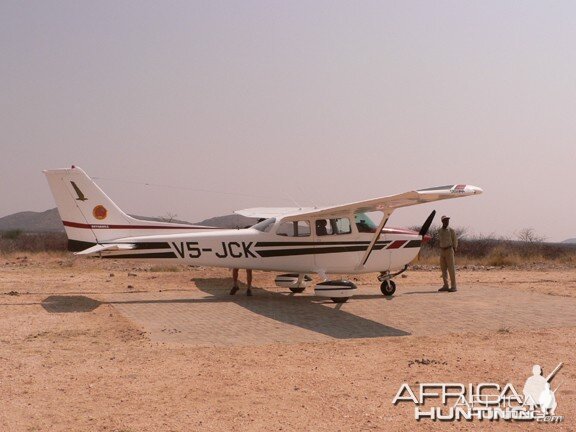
(104, 226)
(396, 244)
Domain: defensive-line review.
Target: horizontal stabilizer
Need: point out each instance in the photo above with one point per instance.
(106, 247)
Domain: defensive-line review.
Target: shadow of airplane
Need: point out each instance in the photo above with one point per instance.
(306, 312)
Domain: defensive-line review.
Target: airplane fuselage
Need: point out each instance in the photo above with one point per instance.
(252, 249)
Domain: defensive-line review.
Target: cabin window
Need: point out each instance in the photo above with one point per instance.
(334, 226)
(294, 229)
(341, 226)
(266, 225)
(364, 224)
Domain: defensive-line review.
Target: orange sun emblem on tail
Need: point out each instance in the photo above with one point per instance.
(100, 212)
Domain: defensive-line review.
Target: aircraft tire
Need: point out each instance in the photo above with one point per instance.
(388, 287)
(297, 290)
(339, 299)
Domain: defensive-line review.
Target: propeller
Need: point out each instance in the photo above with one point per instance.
(426, 226)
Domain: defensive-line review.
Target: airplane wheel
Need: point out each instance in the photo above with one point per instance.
(339, 299)
(388, 287)
(297, 290)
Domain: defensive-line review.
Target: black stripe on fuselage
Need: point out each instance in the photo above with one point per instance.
(315, 250)
(152, 245)
(309, 243)
(413, 244)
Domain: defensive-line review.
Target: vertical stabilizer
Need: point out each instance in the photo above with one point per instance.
(90, 216)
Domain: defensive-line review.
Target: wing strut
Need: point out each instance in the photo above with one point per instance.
(385, 217)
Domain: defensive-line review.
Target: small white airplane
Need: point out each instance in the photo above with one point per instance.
(302, 241)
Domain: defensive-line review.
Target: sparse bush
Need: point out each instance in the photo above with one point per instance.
(501, 256)
(528, 235)
(168, 217)
(12, 234)
(32, 242)
(69, 262)
(165, 268)
(491, 250)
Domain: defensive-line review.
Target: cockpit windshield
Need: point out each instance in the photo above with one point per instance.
(265, 226)
(364, 224)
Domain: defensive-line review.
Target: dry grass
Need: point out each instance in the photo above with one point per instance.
(16, 241)
(505, 253)
(166, 268)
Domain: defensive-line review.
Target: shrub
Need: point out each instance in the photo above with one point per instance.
(12, 234)
(165, 268)
(501, 256)
(32, 242)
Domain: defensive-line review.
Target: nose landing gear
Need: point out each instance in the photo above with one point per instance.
(388, 286)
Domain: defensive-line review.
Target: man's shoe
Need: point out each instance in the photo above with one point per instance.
(234, 290)
(444, 289)
(249, 293)
(453, 289)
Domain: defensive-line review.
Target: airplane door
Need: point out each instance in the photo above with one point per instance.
(338, 246)
(296, 240)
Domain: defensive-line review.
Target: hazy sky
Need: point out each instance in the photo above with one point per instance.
(321, 102)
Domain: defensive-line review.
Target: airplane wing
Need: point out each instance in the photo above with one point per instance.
(270, 212)
(387, 204)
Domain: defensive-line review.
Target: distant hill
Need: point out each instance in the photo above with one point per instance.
(572, 240)
(49, 221)
(29, 221)
(229, 221)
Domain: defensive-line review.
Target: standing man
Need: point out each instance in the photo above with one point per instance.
(448, 245)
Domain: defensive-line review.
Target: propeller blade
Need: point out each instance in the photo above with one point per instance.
(426, 226)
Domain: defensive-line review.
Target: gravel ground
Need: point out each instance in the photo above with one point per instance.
(93, 370)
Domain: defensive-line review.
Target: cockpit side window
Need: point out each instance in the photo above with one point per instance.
(334, 226)
(294, 229)
(364, 224)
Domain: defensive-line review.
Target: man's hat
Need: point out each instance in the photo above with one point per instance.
(445, 218)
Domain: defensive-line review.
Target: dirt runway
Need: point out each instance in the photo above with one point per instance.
(90, 345)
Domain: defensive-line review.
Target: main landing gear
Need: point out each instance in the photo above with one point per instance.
(339, 291)
(296, 283)
(297, 290)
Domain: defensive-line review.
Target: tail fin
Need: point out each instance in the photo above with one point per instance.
(90, 216)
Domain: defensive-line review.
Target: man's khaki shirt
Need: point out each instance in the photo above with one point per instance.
(447, 238)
